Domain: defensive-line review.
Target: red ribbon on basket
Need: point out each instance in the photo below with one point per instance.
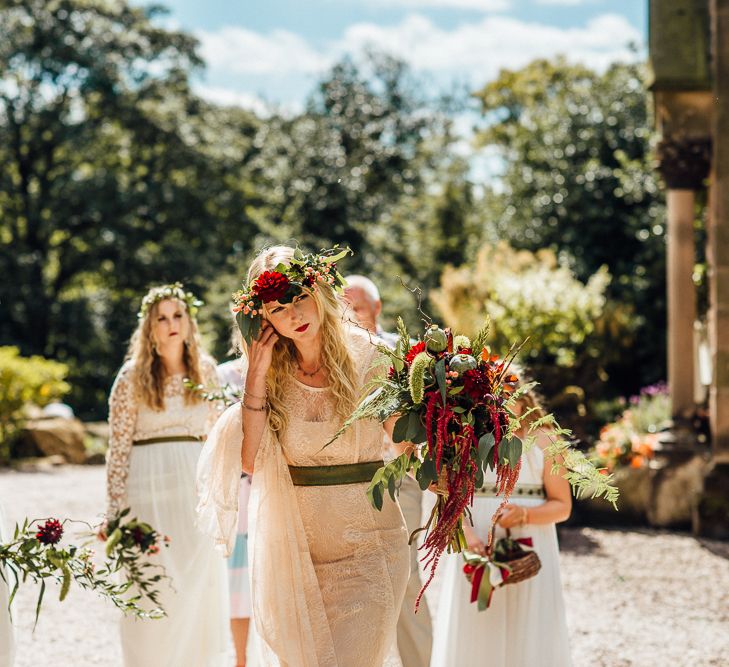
(479, 568)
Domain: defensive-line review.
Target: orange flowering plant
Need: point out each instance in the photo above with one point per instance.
(632, 439)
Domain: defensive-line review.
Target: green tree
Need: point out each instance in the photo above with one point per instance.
(365, 141)
(114, 176)
(578, 177)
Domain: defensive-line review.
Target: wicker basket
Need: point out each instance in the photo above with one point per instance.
(523, 565)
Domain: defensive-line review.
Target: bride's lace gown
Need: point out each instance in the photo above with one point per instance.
(157, 481)
(328, 571)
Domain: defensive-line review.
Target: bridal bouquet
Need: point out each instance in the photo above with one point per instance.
(455, 399)
(35, 553)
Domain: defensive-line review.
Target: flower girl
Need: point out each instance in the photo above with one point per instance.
(525, 624)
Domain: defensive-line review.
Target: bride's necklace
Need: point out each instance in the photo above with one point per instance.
(310, 374)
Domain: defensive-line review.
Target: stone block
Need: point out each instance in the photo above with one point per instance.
(674, 493)
(711, 515)
(53, 437)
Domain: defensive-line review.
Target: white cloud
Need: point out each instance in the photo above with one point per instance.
(277, 65)
(232, 98)
(477, 5)
(482, 48)
(238, 50)
(567, 3)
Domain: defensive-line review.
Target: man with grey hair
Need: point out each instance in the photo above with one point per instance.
(414, 631)
(365, 304)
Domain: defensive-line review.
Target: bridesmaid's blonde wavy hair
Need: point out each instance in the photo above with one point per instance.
(148, 373)
(335, 352)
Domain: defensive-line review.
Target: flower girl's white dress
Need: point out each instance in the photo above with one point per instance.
(525, 625)
(158, 482)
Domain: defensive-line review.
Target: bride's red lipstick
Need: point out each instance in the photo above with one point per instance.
(302, 328)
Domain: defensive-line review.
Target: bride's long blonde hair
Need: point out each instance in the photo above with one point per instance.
(336, 357)
(148, 374)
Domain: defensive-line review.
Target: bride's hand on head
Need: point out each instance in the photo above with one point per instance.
(261, 354)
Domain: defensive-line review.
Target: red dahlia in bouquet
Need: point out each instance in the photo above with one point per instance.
(455, 401)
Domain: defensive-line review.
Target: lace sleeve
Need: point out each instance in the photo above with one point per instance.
(122, 419)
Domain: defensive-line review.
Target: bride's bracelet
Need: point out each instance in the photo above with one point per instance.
(263, 408)
(258, 398)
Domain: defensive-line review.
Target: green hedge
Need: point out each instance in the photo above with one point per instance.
(25, 381)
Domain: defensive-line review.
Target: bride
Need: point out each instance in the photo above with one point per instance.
(328, 571)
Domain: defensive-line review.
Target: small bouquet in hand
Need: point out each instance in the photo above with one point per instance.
(508, 561)
(35, 553)
(457, 398)
(126, 544)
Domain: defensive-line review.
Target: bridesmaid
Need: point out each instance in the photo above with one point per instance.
(525, 624)
(157, 429)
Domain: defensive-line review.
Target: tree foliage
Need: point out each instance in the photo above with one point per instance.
(573, 332)
(115, 176)
(118, 176)
(578, 178)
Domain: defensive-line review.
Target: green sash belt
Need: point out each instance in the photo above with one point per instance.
(520, 491)
(349, 473)
(169, 438)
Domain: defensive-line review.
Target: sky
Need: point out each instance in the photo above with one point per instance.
(270, 54)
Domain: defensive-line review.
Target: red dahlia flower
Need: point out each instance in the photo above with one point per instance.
(475, 384)
(271, 286)
(414, 351)
(50, 532)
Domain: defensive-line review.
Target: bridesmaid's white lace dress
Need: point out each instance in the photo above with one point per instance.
(328, 572)
(158, 482)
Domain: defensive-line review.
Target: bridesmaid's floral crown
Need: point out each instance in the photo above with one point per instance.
(284, 283)
(172, 291)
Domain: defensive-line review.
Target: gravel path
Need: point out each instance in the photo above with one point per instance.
(635, 598)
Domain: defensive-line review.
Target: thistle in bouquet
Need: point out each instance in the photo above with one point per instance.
(456, 400)
(36, 553)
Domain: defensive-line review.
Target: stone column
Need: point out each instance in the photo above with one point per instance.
(712, 518)
(684, 165)
(681, 300)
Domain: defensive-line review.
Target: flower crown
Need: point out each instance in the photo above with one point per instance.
(172, 291)
(284, 283)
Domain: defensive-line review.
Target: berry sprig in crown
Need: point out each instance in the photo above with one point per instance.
(284, 283)
(171, 291)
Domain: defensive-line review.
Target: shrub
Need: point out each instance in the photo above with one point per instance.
(25, 381)
(573, 331)
(632, 438)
